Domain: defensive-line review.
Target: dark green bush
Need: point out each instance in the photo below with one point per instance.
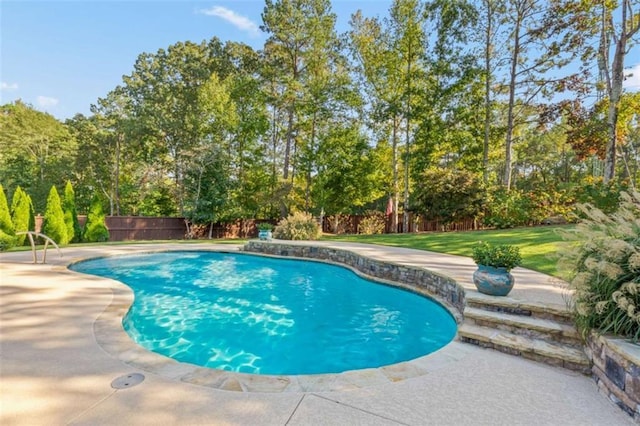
(53, 225)
(448, 195)
(95, 230)
(74, 232)
(508, 209)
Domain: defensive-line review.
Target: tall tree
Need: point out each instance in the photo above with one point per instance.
(37, 150)
(164, 89)
(380, 68)
(543, 38)
(615, 40)
(407, 23)
(292, 26)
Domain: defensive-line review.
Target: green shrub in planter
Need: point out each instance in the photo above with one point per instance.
(498, 256)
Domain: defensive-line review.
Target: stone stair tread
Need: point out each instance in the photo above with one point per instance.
(510, 303)
(531, 323)
(523, 344)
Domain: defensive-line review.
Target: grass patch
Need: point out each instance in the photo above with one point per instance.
(538, 245)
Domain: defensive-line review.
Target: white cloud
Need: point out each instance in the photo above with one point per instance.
(46, 101)
(632, 82)
(6, 86)
(239, 21)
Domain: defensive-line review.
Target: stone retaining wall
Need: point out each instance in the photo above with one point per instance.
(616, 369)
(436, 285)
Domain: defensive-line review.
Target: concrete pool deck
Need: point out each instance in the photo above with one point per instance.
(55, 370)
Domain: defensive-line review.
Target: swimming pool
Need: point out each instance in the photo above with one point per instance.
(261, 315)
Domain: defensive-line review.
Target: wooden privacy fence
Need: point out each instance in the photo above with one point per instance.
(350, 224)
(126, 228)
(131, 228)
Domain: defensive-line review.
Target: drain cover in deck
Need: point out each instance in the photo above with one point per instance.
(128, 381)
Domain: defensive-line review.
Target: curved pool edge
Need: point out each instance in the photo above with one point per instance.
(113, 339)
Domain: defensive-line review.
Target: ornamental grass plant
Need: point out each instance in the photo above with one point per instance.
(297, 226)
(601, 257)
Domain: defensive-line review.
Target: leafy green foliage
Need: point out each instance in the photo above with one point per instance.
(53, 224)
(605, 197)
(499, 256)
(602, 257)
(21, 214)
(7, 238)
(95, 230)
(511, 208)
(297, 226)
(37, 150)
(448, 195)
(74, 232)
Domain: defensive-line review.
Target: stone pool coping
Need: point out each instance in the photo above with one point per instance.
(112, 337)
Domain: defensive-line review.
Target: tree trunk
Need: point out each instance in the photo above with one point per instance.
(396, 189)
(629, 26)
(287, 149)
(506, 180)
(617, 76)
(117, 174)
(407, 147)
(487, 95)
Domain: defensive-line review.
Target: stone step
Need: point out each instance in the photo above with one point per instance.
(508, 305)
(528, 326)
(535, 349)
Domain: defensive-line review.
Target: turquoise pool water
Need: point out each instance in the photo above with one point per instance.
(263, 315)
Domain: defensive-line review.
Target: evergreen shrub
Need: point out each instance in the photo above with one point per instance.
(53, 225)
(7, 231)
(74, 232)
(95, 230)
(21, 214)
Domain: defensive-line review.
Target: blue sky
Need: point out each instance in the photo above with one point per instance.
(60, 56)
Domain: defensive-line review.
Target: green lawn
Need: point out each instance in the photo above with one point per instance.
(537, 245)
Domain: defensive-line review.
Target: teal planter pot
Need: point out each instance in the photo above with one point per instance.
(264, 235)
(493, 281)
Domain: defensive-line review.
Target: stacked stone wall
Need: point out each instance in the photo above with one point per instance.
(616, 370)
(441, 287)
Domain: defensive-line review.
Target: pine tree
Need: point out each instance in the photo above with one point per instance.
(70, 214)
(21, 213)
(95, 230)
(7, 232)
(53, 225)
